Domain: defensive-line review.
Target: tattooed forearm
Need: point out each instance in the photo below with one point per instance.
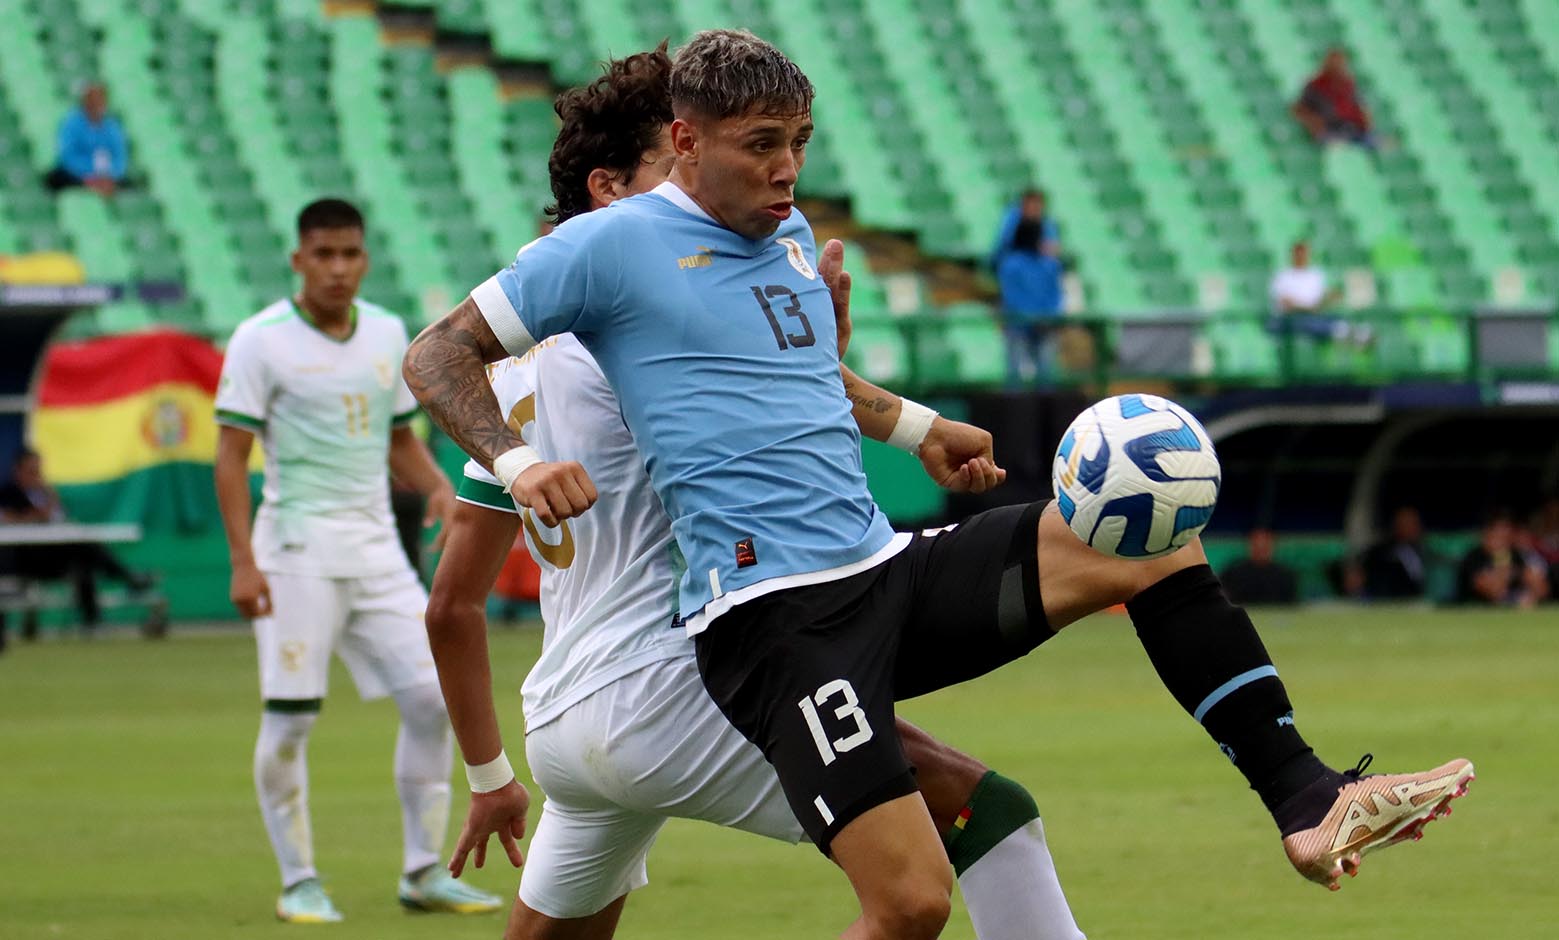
(445, 369)
(878, 404)
(875, 404)
(874, 409)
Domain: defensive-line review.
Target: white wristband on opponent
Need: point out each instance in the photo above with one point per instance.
(508, 465)
(493, 775)
(914, 423)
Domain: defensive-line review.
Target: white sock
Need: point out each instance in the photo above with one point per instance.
(281, 778)
(1013, 893)
(424, 757)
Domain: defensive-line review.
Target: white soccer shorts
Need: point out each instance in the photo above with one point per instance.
(374, 623)
(617, 764)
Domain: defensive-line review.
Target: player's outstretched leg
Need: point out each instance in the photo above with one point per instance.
(991, 829)
(526, 923)
(1209, 657)
(424, 756)
(898, 868)
(281, 780)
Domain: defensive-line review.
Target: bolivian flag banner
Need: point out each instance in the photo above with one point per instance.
(124, 425)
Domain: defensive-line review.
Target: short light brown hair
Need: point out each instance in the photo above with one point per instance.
(721, 73)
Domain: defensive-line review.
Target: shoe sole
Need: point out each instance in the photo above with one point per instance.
(1409, 828)
(306, 919)
(423, 907)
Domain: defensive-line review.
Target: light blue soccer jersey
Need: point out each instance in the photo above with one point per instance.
(724, 355)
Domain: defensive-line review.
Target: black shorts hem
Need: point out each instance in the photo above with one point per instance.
(900, 784)
(1024, 551)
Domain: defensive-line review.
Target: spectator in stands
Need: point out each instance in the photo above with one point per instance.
(1545, 541)
(1300, 294)
(93, 152)
(1329, 106)
(1502, 570)
(1027, 262)
(1394, 567)
(27, 499)
(1258, 578)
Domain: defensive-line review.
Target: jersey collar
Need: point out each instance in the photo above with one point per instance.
(674, 194)
(308, 318)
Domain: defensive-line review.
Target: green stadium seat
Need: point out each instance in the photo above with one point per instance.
(980, 350)
(878, 352)
(1160, 129)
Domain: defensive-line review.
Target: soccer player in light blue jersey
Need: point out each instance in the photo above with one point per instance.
(614, 664)
(701, 304)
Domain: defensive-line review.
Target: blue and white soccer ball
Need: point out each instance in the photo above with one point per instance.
(1136, 476)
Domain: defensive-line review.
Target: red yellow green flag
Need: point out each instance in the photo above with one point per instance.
(124, 425)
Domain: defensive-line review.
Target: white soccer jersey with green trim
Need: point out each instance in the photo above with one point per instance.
(323, 409)
(609, 577)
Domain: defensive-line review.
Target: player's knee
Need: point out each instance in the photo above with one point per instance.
(913, 908)
(445, 608)
(526, 923)
(947, 776)
(285, 731)
(422, 707)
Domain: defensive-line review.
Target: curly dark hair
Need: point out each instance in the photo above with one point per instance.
(609, 123)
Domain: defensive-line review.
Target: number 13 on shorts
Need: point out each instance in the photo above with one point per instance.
(830, 750)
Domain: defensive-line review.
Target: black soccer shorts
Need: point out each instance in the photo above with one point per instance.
(810, 674)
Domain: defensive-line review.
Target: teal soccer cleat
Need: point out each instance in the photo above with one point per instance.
(307, 903)
(434, 890)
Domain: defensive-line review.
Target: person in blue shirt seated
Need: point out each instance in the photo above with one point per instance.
(1028, 270)
(93, 151)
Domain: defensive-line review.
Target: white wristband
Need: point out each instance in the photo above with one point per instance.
(493, 775)
(508, 465)
(914, 423)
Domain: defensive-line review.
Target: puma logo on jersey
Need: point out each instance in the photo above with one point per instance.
(1379, 811)
(746, 553)
(701, 260)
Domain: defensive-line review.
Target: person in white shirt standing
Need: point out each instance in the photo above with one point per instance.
(1300, 294)
(315, 376)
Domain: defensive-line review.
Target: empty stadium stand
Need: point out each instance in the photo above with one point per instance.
(1160, 129)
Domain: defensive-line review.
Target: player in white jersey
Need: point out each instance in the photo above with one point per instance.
(316, 378)
(619, 730)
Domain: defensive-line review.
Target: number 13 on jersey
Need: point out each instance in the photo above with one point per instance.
(850, 709)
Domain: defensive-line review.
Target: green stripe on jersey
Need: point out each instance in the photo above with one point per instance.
(239, 420)
(485, 494)
(404, 416)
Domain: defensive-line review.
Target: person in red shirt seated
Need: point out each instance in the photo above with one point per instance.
(1329, 106)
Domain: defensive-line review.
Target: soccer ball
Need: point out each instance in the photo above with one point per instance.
(1136, 476)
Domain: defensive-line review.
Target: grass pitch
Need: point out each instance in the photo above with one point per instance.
(126, 807)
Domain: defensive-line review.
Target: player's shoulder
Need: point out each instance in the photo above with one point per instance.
(568, 353)
(368, 309)
(622, 220)
(796, 229)
(263, 322)
(372, 317)
(370, 312)
(272, 314)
